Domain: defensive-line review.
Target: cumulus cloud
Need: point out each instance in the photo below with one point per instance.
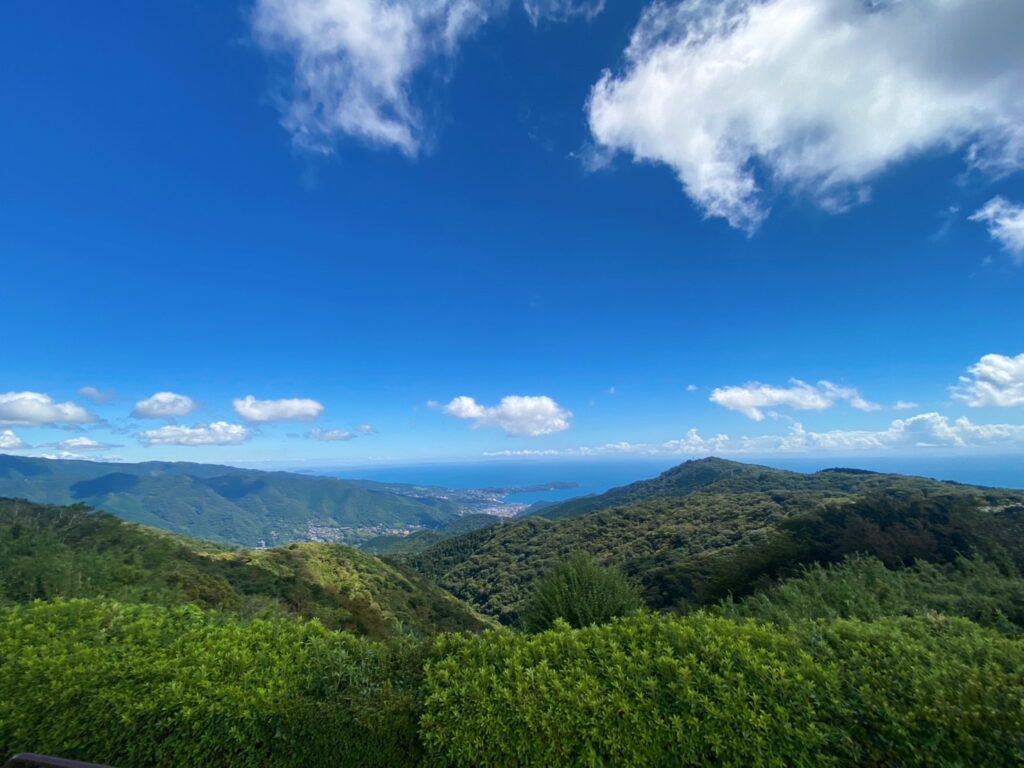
(815, 95)
(924, 431)
(355, 61)
(995, 380)
(164, 405)
(290, 409)
(517, 415)
(10, 441)
(1005, 222)
(95, 395)
(36, 408)
(217, 433)
(331, 435)
(561, 10)
(751, 398)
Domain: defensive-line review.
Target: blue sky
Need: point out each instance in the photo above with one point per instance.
(470, 228)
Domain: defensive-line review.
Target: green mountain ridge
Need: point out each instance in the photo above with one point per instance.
(226, 504)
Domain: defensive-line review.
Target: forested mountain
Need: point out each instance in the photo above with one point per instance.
(226, 504)
(395, 544)
(709, 528)
(714, 476)
(49, 552)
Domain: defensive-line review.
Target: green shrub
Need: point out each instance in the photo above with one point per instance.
(864, 588)
(580, 592)
(136, 685)
(645, 691)
(656, 691)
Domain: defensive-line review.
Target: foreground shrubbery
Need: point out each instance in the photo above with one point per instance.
(140, 686)
(136, 685)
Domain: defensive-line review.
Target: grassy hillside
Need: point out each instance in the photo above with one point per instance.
(48, 552)
(726, 532)
(225, 504)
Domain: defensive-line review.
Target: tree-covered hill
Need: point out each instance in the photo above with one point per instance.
(744, 527)
(48, 552)
(226, 504)
(713, 475)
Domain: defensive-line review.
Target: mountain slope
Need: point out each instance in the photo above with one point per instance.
(714, 475)
(681, 547)
(48, 552)
(226, 504)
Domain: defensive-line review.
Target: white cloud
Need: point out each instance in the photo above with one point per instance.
(95, 395)
(518, 416)
(164, 405)
(816, 95)
(751, 398)
(10, 441)
(921, 432)
(366, 429)
(995, 380)
(82, 444)
(217, 433)
(35, 408)
(331, 435)
(561, 10)
(355, 61)
(692, 387)
(905, 405)
(1005, 222)
(290, 409)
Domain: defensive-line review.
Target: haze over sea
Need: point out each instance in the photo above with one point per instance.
(597, 476)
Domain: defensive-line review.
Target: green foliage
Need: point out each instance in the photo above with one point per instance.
(225, 504)
(48, 552)
(654, 691)
(580, 592)
(147, 686)
(421, 540)
(717, 476)
(863, 588)
(698, 549)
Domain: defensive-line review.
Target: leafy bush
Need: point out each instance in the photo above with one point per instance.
(863, 588)
(580, 592)
(137, 685)
(655, 691)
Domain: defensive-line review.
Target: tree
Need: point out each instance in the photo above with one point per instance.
(581, 592)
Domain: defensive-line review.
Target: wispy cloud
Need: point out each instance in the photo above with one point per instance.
(751, 399)
(1005, 222)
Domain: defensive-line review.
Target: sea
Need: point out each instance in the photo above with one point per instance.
(598, 475)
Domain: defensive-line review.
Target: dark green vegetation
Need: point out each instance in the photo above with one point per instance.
(48, 552)
(836, 619)
(421, 540)
(733, 528)
(226, 504)
(580, 592)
